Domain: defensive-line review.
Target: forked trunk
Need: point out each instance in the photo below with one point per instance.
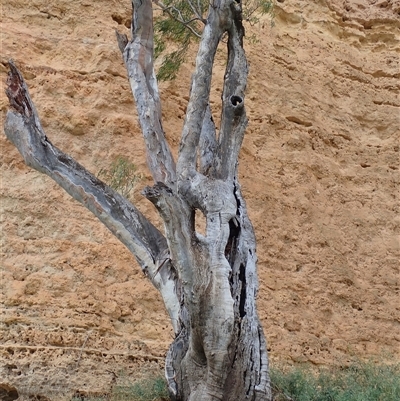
(220, 354)
(208, 282)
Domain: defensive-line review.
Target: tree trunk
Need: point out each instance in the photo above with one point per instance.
(208, 282)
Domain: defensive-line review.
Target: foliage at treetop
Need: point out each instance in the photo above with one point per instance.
(182, 21)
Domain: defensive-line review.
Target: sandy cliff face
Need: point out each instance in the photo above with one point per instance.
(319, 167)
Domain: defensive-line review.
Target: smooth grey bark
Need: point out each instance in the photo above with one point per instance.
(208, 282)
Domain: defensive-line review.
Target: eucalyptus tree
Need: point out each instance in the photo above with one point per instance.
(208, 281)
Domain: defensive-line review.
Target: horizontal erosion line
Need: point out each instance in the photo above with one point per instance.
(86, 350)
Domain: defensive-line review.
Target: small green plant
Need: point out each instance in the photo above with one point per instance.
(180, 23)
(359, 382)
(121, 176)
(145, 390)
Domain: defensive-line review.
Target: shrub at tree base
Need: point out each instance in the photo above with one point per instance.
(359, 382)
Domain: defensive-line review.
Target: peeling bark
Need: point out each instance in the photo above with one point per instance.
(208, 282)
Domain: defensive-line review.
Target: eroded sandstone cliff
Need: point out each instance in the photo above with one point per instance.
(319, 167)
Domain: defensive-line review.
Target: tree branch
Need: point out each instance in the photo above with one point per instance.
(178, 221)
(217, 21)
(147, 244)
(138, 57)
(233, 118)
(197, 11)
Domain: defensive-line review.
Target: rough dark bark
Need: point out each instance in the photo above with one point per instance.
(208, 282)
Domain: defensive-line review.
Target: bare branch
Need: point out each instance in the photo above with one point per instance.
(233, 118)
(200, 90)
(138, 57)
(124, 220)
(197, 11)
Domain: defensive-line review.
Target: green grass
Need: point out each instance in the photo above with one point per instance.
(358, 382)
(145, 390)
(122, 176)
